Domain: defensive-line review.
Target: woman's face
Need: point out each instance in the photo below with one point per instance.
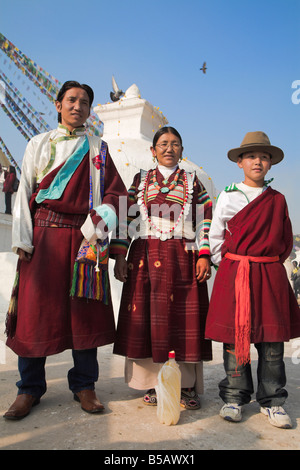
(168, 150)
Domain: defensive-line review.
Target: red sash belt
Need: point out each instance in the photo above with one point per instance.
(243, 303)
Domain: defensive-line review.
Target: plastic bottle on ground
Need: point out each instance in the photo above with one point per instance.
(168, 392)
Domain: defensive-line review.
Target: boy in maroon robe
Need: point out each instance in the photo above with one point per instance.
(69, 192)
(252, 300)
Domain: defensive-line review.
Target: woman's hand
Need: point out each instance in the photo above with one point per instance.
(203, 271)
(120, 268)
(23, 255)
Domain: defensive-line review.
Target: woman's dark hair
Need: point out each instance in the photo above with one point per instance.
(12, 169)
(166, 130)
(73, 84)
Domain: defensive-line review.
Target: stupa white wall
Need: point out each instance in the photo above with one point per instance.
(5, 222)
(8, 260)
(129, 126)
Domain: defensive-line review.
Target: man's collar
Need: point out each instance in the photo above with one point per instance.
(64, 130)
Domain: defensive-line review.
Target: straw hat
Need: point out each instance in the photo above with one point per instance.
(259, 142)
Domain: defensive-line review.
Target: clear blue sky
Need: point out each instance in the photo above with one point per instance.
(252, 52)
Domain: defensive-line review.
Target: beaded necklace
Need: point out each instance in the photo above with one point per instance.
(162, 234)
(165, 189)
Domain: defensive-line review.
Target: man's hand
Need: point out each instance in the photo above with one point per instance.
(23, 255)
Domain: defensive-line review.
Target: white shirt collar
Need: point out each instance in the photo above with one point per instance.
(65, 131)
(166, 171)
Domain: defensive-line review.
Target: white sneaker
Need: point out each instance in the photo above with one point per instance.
(277, 416)
(231, 412)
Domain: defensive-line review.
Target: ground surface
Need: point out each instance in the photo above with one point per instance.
(127, 424)
(59, 423)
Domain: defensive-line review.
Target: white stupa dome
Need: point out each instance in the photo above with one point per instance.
(129, 126)
(132, 92)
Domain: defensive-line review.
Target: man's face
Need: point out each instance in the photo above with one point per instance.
(74, 108)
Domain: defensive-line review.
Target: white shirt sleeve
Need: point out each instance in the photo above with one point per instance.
(217, 230)
(22, 223)
(35, 160)
(228, 205)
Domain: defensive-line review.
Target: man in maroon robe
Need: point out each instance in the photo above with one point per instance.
(65, 174)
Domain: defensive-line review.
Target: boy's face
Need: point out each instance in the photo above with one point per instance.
(255, 166)
(74, 108)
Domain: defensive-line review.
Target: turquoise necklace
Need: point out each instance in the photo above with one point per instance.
(165, 189)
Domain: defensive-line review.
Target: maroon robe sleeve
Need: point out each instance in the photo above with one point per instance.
(119, 245)
(202, 216)
(287, 235)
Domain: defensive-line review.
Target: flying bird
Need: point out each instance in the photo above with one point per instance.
(204, 68)
(117, 93)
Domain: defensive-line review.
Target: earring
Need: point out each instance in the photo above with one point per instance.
(154, 158)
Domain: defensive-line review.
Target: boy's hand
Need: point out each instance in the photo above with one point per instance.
(120, 269)
(203, 271)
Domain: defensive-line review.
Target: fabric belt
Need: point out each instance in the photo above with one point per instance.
(243, 303)
(44, 217)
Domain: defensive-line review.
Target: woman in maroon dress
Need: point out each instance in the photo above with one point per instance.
(165, 301)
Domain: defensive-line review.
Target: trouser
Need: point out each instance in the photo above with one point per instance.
(82, 376)
(8, 203)
(237, 387)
